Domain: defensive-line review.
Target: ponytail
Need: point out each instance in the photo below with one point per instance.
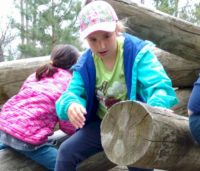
(46, 70)
(62, 56)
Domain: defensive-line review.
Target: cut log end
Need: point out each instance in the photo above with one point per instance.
(138, 135)
(118, 124)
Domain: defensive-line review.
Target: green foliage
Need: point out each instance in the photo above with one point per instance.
(167, 6)
(189, 11)
(196, 13)
(45, 23)
(28, 50)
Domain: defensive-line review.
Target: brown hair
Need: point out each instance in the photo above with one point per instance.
(88, 1)
(62, 56)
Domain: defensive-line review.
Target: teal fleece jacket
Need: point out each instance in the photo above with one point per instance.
(145, 77)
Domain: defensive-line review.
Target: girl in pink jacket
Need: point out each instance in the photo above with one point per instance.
(29, 117)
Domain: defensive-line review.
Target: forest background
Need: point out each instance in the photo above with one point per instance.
(32, 27)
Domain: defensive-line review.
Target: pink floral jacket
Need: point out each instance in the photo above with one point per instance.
(30, 115)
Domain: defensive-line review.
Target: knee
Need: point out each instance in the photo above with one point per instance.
(66, 151)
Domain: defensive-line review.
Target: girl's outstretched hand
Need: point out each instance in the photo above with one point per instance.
(76, 114)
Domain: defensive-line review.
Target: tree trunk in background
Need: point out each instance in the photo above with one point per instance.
(53, 38)
(139, 135)
(27, 23)
(22, 21)
(1, 53)
(14, 161)
(34, 14)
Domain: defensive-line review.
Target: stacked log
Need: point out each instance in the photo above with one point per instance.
(182, 72)
(13, 74)
(14, 161)
(139, 135)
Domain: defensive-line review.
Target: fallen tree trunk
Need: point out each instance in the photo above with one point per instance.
(168, 33)
(14, 161)
(12, 74)
(136, 134)
(97, 162)
(182, 72)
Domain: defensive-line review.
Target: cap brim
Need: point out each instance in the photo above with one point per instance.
(104, 26)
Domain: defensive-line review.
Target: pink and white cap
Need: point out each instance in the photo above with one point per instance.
(97, 16)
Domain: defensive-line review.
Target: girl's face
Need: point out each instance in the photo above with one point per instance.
(103, 43)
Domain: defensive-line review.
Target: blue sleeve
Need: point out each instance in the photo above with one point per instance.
(194, 100)
(154, 84)
(74, 93)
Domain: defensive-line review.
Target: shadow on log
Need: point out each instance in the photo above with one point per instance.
(139, 135)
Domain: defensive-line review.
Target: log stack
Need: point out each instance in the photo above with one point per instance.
(139, 135)
(148, 143)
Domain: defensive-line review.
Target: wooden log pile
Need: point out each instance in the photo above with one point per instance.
(139, 135)
(178, 49)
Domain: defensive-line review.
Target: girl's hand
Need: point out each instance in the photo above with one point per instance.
(76, 114)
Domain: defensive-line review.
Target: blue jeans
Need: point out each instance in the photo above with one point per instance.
(2, 146)
(80, 146)
(45, 156)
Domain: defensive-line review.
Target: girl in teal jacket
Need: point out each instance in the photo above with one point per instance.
(116, 67)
